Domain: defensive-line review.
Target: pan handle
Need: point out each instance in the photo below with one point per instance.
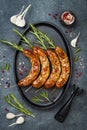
(63, 112)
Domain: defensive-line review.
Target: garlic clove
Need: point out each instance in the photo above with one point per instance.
(74, 41)
(19, 121)
(10, 115)
(20, 22)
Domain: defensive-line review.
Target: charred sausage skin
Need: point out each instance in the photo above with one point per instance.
(34, 70)
(45, 67)
(56, 69)
(65, 65)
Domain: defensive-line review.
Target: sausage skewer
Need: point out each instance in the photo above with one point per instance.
(45, 70)
(55, 63)
(34, 70)
(65, 65)
(45, 66)
(34, 61)
(56, 69)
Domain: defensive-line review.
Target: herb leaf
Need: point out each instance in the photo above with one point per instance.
(76, 58)
(77, 50)
(7, 66)
(13, 101)
(41, 37)
(23, 38)
(14, 45)
(36, 99)
(45, 95)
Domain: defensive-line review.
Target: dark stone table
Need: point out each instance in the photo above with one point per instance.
(44, 10)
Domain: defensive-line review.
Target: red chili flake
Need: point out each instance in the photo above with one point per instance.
(54, 17)
(22, 66)
(77, 73)
(56, 14)
(80, 73)
(25, 70)
(49, 14)
(6, 109)
(21, 74)
(66, 31)
(8, 85)
(3, 71)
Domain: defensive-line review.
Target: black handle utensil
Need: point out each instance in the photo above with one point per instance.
(63, 112)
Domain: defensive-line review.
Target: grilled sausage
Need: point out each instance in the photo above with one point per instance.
(45, 67)
(34, 70)
(65, 65)
(56, 69)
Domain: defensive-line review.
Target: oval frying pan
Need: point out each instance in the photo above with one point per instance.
(55, 95)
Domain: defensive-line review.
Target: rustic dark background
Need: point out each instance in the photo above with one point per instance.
(44, 10)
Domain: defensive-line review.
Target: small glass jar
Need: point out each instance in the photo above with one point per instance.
(67, 18)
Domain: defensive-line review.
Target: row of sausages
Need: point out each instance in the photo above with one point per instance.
(49, 68)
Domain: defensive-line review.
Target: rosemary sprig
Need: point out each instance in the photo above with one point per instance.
(13, 101)
(37, 99)
(35, 32)
(17, 47)
(16, 100)
(48, 40)
(27, 41)
(41, 37)
(45, 95)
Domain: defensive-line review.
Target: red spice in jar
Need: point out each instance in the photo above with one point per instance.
(67, 18)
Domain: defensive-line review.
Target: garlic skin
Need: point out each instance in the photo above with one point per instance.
(13, 19)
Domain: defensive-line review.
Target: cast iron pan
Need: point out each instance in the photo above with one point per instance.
(54, 94)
